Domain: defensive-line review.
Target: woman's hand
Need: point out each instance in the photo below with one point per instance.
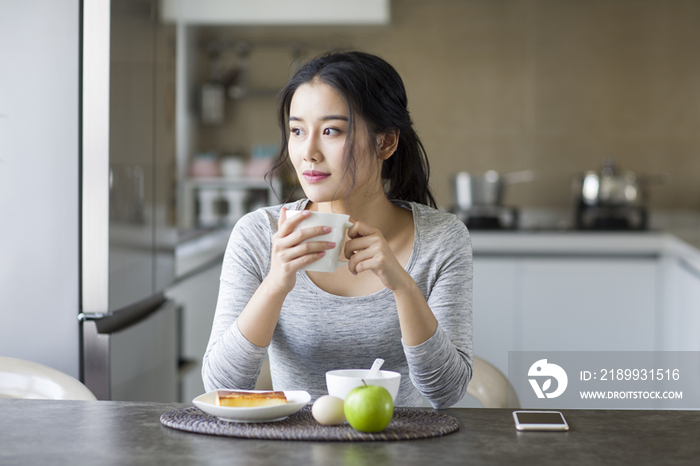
(290, 253)
(367, 249)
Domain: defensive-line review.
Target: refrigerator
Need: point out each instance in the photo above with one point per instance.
(128, 329)
(87, 193)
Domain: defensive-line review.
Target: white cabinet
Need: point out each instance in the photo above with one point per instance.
(494, 307)
(276, 12)
(681, 306)
(563, 304)
(588, 304)
(584, 292)
(197, 295)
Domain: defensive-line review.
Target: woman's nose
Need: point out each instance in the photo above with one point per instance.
(312, 152)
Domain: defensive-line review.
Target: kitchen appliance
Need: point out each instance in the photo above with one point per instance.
(129, 332)
(220, 206)
(479, 199)
(86, 257)
(612, 199)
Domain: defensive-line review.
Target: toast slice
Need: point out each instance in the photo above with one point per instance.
(238, 399)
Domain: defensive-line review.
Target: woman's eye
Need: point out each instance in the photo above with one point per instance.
(296, 131)
(331, 131)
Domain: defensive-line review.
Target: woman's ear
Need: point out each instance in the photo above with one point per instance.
(388, 142)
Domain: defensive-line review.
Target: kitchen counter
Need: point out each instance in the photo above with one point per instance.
(534, 242)
(571, 243)
(106, 432)
(675, 235)
(549, 231)
(198, 251)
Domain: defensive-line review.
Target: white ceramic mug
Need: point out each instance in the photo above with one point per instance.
(339, 224)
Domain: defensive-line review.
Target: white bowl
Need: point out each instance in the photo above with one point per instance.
(340, 382)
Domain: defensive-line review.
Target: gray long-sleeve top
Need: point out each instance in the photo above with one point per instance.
(318, 331)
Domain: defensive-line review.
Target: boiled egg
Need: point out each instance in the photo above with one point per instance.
(329, 410)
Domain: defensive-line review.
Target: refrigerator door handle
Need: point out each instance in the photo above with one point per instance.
(116, 321)
(100, 333)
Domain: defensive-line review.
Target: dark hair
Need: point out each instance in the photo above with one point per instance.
(374, 91)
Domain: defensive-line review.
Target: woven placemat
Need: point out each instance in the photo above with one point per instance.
(407, 424)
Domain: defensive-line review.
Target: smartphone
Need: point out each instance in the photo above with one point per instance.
(540, 420)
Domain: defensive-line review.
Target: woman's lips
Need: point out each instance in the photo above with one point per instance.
(313, 176)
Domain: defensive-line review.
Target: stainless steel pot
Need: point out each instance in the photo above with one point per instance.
(485, 189)
(613, 187)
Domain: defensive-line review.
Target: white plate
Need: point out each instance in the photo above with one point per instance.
(296, 399)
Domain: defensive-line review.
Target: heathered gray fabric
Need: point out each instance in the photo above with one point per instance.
(318, 331)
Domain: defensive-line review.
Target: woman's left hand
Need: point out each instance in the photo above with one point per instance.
(367, 249)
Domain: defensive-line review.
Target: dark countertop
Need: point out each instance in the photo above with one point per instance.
(130, 433)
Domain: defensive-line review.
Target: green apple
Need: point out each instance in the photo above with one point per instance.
(369, 408)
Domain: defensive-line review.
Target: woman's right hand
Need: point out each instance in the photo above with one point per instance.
(289, 251)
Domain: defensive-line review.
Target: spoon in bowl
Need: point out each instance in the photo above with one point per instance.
(375, 368)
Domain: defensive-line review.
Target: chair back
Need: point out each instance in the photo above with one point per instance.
(31, 380)
(490, 387)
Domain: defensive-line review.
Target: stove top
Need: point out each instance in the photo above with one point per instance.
(489, 217)
(611, 218)
(585, 218)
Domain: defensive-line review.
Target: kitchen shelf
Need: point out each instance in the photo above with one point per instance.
(218, 187)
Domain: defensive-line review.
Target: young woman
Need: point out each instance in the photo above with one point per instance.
(406, 293)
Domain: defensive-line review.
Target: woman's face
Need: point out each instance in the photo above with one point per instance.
(318, 132)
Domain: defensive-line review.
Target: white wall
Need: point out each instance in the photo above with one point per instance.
(39, 299)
